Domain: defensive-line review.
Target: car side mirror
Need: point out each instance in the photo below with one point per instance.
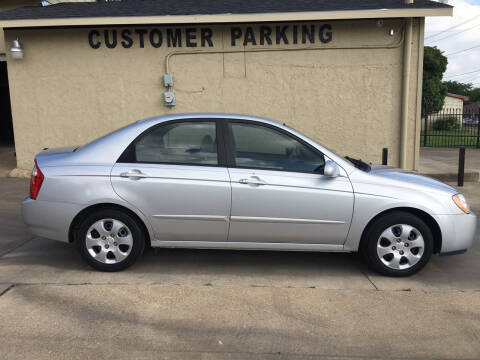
(331, 169)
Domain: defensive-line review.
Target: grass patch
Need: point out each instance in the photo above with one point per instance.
(466, 136)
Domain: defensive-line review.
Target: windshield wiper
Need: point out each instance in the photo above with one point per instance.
(359, 163)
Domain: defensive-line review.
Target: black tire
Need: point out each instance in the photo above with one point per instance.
(372, 236)
(135, 250)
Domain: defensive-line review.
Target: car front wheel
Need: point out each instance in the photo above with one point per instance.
(398, 244)
(110, 240)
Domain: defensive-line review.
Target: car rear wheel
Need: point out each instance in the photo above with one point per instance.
(398, 244)
(110, 240)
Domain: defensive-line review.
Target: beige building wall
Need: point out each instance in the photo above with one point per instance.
(346, 93)
(12, 4)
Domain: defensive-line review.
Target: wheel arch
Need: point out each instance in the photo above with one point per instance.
(429, 220)
(77, 220)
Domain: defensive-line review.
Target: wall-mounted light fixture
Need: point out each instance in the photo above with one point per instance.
(391, 32)
(16, 50)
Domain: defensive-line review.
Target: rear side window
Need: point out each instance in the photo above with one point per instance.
(192, 143)
(257, 146)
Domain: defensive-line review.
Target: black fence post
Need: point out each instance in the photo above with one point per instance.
(461, 166)
(425, 130)
(384, 156)
(477, 118)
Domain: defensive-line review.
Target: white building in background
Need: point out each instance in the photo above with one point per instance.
(454, 103)
(452, 107)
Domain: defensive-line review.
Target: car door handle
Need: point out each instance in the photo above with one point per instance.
(255, 180)
(133, 174)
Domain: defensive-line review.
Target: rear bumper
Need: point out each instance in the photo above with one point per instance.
(49, 219)
(458, 232)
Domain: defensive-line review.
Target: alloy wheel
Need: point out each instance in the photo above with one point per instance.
(109, 241)
(400, 246)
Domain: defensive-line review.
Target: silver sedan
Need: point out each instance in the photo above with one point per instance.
(223, 181)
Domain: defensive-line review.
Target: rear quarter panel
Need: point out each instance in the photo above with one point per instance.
(67, 190)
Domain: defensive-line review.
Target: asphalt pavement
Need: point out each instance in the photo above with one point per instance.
(442, 163)
(213, 304)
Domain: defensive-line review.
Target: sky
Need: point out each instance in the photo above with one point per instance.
(464, 35)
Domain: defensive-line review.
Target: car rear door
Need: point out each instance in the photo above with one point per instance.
(175, 174)
(279, 194)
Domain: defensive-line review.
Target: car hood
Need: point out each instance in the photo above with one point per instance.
(411, 178)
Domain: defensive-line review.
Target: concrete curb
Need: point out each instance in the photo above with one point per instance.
(20, 173)
(470, 176)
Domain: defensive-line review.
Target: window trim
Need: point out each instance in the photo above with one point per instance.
(230, 153)
(128, 155)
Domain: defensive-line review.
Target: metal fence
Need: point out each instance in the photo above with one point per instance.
(451, 128)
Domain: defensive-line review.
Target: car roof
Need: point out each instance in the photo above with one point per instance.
(107, 149)
(220, 116)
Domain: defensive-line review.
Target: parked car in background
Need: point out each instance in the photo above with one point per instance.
(227, 181)
(470, 120)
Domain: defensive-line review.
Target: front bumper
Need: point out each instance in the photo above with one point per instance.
(48, 219)
(458, 232)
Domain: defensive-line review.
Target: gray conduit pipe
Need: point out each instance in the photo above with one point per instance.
(192, 52)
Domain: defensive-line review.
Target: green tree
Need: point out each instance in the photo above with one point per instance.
(459, 88)
(474, 95)
(434, 91)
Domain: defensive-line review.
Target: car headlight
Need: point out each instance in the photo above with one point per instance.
(459, 199)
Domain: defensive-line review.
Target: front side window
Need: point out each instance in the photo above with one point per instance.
(256, 146)
(193, 142)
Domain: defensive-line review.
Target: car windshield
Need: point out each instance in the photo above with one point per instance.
(359, 164)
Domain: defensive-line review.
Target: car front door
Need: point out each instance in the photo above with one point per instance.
(279, 194)
(174, 174)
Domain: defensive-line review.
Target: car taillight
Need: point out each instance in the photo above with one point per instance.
(36, 181)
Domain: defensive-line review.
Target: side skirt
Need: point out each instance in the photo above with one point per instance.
(248, 246)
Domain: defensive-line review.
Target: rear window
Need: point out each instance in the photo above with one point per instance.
(192, 143)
